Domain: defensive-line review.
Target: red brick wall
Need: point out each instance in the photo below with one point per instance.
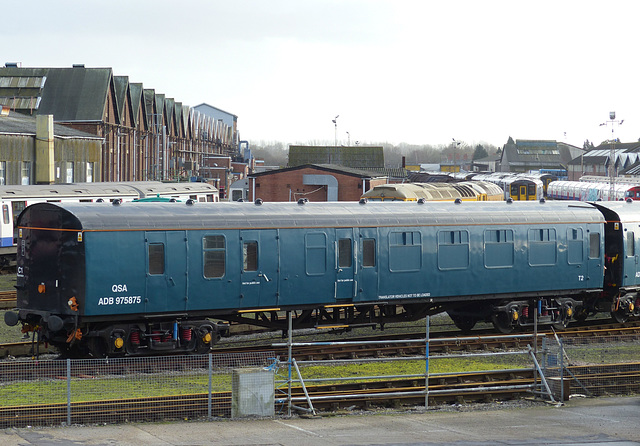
(288, 186)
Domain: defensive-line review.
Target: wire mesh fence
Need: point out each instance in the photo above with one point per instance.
(97, 391)
(592, 366)
(119, 390)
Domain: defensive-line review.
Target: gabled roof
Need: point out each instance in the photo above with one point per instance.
(204, 108)
(351, 156)
(323, 167)
(625, 153)
(76, 94)
(121, 83)
(536, 152)
(137, 102)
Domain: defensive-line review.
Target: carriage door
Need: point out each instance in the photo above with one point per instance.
(631, 259)
(259, 268)
(166, 271)
(367, 273)
(523, 192)
(345, 263)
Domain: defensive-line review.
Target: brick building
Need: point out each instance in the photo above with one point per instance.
(316, 182)
(146, 135)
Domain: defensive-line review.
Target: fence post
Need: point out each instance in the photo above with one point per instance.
(209, 396)
(68, 392)
(289, 362)
(561, 371)
(426, 374)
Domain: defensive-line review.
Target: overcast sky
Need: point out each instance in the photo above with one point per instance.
(419, 72)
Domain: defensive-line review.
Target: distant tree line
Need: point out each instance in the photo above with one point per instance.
(276, 153)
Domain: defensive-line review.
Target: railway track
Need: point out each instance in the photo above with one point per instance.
(7, 300)
(443, 389)
(462, 388)
(440, 342)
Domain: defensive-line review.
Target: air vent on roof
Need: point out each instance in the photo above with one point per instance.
(78, 65)
(11, 65)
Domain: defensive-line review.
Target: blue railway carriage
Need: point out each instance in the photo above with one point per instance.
(138, 278)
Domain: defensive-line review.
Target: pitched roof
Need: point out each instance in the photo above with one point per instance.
(121, 83)
(137, 102)
(324, 167)
(351, 156)
(76, 94)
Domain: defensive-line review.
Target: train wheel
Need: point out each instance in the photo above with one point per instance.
(581, 314)
(620, 316)
(98, 347)
(561, 325)
(464, 323)
(502, 322)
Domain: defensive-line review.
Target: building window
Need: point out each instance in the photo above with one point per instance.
(68, 178)
(214, 248)
(3, 173)
(26, 173)
(89, 173)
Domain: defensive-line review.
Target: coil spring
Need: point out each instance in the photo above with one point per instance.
(186, 334)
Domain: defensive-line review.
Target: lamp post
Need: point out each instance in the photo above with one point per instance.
(612, 154)
(335, 123)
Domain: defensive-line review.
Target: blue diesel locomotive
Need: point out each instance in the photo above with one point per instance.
(142, 278)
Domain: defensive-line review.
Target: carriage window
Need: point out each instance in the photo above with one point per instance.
(630, 244)
(575, 246)
(542, 247)
(156, 258)
(453, 249)
(214, 248)
(5, 214)
(498, 248)
(594, 245)
(250, 256)
(316, 253)
(405, 251)
(344, 253)
(368, 252)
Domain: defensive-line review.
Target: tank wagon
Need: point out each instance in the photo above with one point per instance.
(141, 278)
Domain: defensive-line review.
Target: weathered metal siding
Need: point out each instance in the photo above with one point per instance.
(14, 149)
(80, 152)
